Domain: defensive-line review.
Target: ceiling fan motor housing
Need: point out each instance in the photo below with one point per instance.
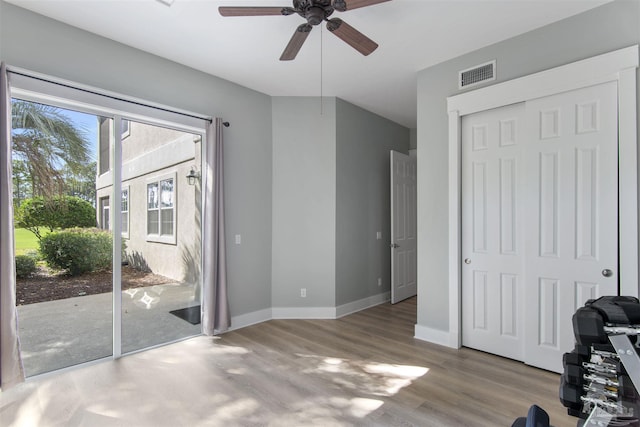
(314, 11)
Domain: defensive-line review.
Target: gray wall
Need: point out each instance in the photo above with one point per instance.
(330, 196)
(40, 44)
(304, 201)
(363, 200)
(609, 27)
(1, 21)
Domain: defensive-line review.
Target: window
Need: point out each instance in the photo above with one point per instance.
(125, 128)
(104, 141)
(161, 210)
(104, 213)
(124, 211)
(104, 144)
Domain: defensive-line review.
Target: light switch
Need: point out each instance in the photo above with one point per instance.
(378, 235)
(238, 239)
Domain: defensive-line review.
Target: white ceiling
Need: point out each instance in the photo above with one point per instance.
(412, 34)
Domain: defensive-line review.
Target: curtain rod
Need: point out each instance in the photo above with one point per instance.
(106, 94)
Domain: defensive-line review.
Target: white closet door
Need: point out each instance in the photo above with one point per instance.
(492, 230)
(539, 221)
(571, 219)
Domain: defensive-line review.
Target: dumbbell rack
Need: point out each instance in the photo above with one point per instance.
(601, 375)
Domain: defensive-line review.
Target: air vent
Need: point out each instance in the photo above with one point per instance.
(475, 75)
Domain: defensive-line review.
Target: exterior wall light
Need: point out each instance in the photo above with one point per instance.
(193, 176)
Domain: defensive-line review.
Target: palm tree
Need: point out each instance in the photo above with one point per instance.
(47, 142)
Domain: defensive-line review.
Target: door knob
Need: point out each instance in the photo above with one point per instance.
(467, 260)
(394, 245)
(607, 273)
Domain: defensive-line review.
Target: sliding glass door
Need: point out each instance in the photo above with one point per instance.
(160, 222)
(108, 235)
(64, 286)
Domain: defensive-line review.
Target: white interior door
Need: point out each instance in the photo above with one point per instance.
(403, 227)
(492, 242)
(572, 214)
(539, 221)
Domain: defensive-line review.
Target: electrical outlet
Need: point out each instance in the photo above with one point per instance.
(379, 281)
(238, 239)
(303, 292)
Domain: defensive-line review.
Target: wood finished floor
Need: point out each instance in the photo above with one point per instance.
(364, 369)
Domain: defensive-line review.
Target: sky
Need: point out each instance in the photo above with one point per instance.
(87, 122)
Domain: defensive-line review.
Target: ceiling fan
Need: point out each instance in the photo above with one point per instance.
(315, 12)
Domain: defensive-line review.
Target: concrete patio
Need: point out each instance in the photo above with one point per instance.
(63, 333)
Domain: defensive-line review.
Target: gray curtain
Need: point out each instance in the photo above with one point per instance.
(11, 370)
(215, 306)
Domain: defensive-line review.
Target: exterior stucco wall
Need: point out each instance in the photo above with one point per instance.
(151, 153)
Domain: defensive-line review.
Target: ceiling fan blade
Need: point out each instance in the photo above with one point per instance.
(252, 11)
(351, 36)
(296, 42)
(344, 5)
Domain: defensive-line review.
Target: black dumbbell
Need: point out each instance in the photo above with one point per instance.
(574, 374)
(574, 358)
(588, 327)
(570, 394)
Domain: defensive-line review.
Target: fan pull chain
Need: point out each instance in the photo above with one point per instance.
(321, 69)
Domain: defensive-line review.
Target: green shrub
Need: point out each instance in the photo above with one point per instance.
(53, 213)
(77, 250)
(33, 253)
(25, 266)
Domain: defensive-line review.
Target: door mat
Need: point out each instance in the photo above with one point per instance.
(190, 314)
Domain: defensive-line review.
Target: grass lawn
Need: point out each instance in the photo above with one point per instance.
(26, 240)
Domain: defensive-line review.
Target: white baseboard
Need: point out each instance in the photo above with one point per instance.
(292, 313)
(435, 336)
(362, 304)
(303, 313)
(249, 319)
